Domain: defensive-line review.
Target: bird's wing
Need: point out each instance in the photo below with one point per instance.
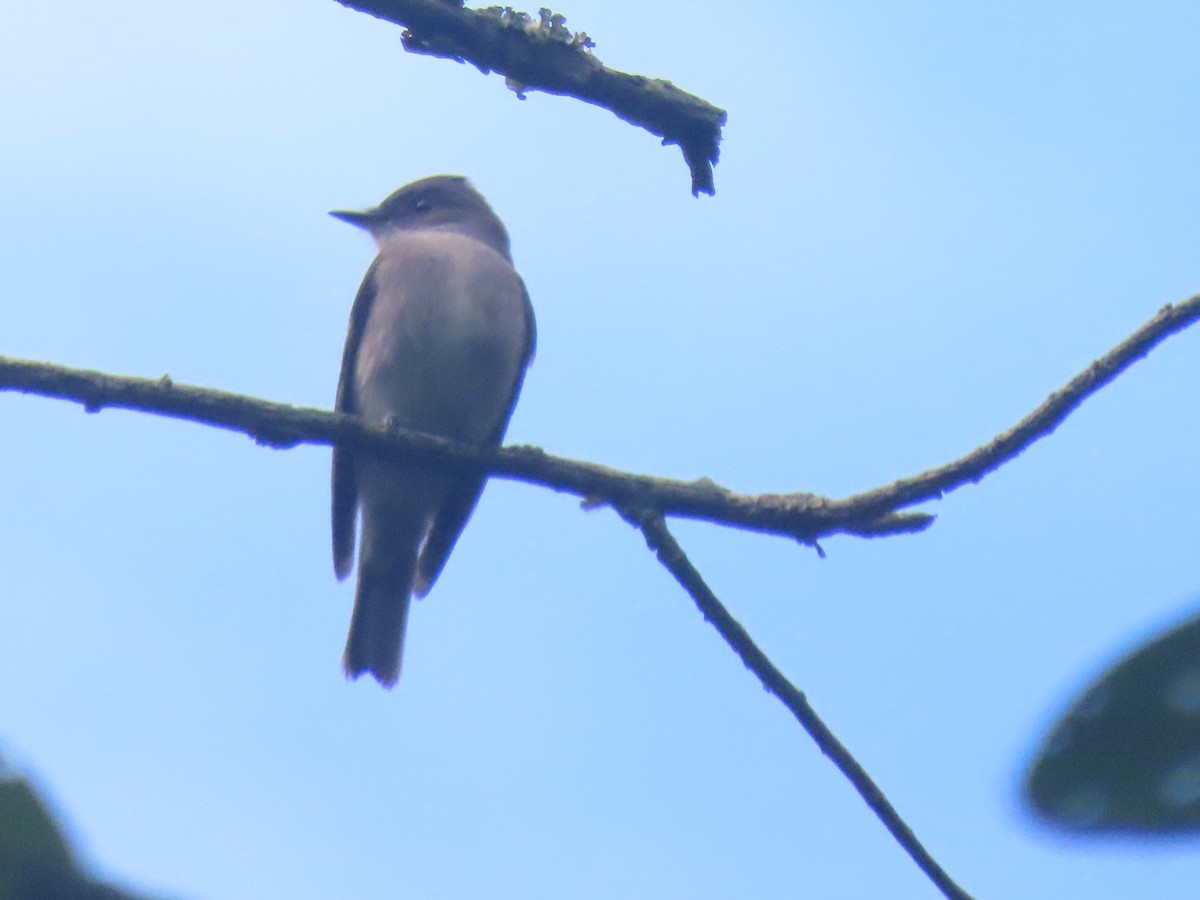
(530, 349)
(345, 487)
(460, 502)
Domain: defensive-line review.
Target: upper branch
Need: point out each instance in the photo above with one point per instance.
(544, 55)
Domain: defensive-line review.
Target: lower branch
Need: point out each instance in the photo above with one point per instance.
(798, 516)
(671, 555)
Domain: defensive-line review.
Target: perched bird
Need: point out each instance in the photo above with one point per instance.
(440, 335)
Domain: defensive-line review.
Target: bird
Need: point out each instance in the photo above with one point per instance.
(441, 333)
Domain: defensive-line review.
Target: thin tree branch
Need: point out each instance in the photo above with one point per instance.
(671, 555)
(278, 425)
(544, 55)
(972, 468)
(803, 517)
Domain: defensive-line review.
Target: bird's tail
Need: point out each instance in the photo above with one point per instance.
(386, 568)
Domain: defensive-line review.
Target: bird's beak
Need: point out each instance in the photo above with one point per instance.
(358, 219)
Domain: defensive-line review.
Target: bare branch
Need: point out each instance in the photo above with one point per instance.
(972, 468)
(671, 555)
(544, 55)
(278, 425)
(803, 517)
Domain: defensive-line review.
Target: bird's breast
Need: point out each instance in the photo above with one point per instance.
(444, 344)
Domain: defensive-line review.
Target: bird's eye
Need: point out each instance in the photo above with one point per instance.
(422, 206)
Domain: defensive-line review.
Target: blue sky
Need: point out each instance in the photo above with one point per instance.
(928, 217)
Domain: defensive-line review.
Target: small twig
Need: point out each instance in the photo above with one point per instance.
(671, 555)
(972, 468)
(544, 55)
(798, 516)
